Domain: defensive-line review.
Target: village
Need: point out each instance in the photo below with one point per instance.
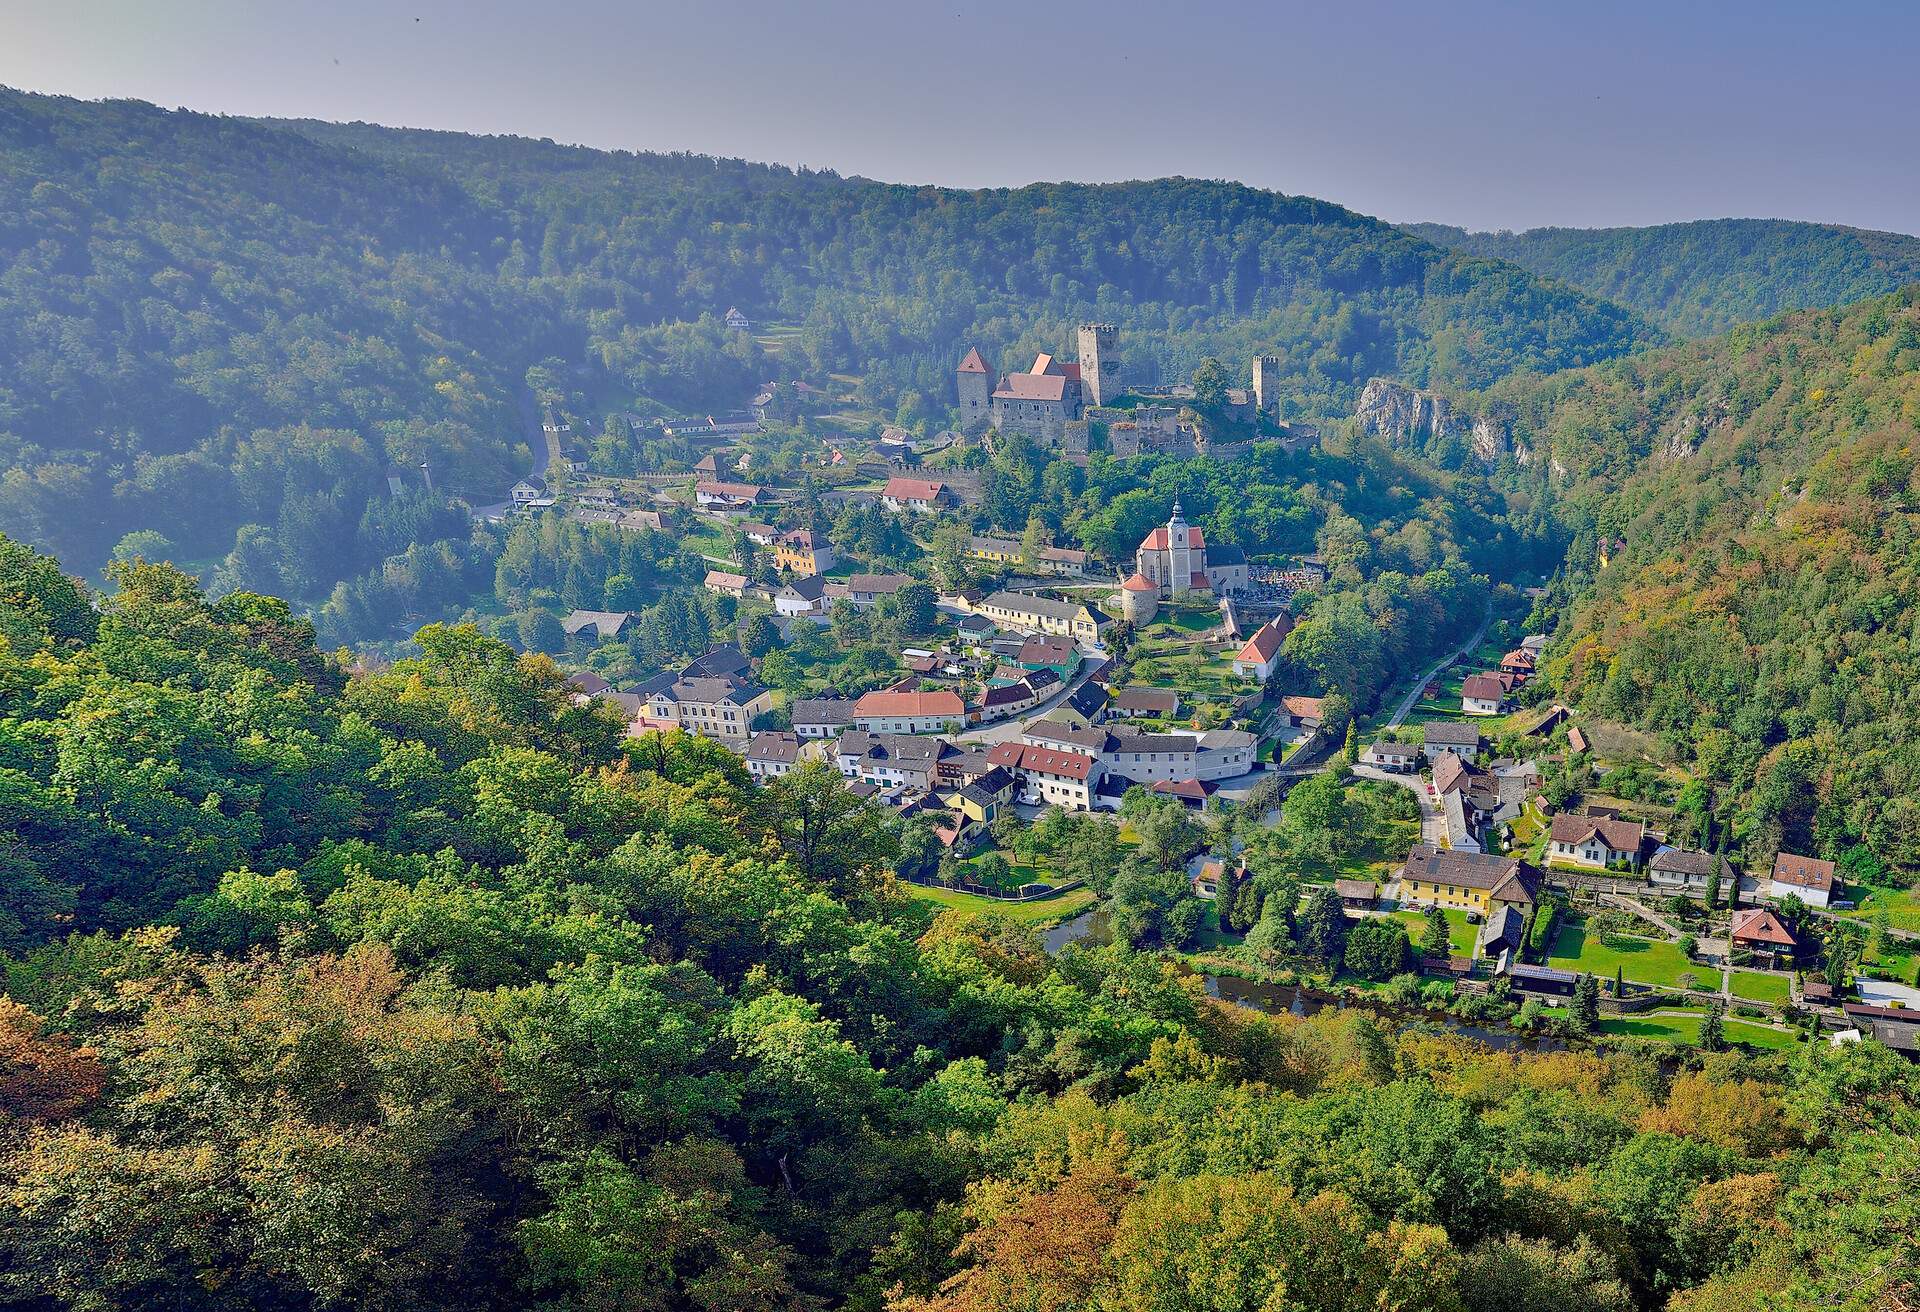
(1030, 678)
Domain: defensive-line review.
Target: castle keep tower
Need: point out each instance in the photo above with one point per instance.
(1099, 363)
(976, 392)
(1266, 383)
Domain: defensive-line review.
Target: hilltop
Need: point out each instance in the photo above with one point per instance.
(1741, 579)
(214, 322)
(1704, 277)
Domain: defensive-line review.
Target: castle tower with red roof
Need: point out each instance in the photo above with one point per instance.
(975, 382)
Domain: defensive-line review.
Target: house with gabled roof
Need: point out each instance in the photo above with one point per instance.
(1482, 694)
(1469, 881)
(1261, 652)
(909, 712)
(917, 496)
(1049, 777)
(1447, 736)
(1805, 877)
(1595, 842)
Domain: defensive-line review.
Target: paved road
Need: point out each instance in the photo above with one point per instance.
(544, 445)
(1432, 827)
(1413, 697)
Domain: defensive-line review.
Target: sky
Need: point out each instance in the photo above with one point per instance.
(1483, 114)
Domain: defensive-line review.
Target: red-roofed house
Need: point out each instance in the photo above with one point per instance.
(1261, 653)
(1049, 777)
(1482, 694)
(908, 712)
(1762, 932)
(719, 495)
(916, 495)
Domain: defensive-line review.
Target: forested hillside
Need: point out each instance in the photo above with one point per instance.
(425, 989)
(1705, 277)
(1744, 580)
(215, 324)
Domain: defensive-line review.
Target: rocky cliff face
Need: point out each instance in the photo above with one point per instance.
(1406, 416)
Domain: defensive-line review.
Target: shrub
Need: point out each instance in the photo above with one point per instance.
(1377, 949)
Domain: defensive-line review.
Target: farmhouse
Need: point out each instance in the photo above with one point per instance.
(1473, 881)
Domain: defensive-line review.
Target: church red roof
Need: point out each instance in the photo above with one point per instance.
(1157, 540)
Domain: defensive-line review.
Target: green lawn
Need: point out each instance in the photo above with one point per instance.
(1460, 935)
(1644, 960)
(1903, 908)
(1046, 911)
(1685, 1028)
(1762, 986)
(1021, 873)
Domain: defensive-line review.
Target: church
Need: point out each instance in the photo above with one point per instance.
(1176, 559)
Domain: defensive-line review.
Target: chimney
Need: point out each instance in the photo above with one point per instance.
(426, 475)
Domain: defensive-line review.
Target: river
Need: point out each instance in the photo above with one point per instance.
(1294, 1000)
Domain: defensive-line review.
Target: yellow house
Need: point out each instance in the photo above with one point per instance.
(803, 551)
(1469, 881)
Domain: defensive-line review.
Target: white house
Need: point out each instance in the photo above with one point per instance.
(1261, 653)
(1482, 694)
(909, 712)
(1594, 841)
(1807, 878)
(803, 596)
(1399, 758)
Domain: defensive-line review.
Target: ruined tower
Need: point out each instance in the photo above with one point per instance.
(1266, 383)
(1099, 363)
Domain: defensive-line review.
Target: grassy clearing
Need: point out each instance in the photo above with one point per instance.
(1902, 905)
(1684, 1027)
(1642, 960)
(1762, 986)
(1046, 911)
(1460, 934)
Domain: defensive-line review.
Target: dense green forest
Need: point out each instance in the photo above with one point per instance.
(1742, 581)
(426, 989)
(228, 332)
(1705, 277)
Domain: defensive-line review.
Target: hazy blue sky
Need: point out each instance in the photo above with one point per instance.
(1473, 112)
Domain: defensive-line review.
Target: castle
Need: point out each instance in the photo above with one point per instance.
(1041, 402)
(1053, 394)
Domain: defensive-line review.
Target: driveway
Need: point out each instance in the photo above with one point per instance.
(1432, 827)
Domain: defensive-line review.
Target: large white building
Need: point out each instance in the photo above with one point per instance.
(1176, 559)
